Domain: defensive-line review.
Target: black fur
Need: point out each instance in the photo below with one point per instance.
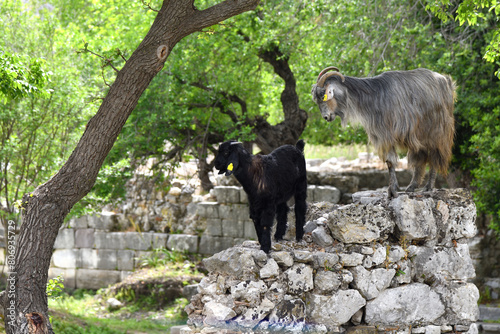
(269, 181)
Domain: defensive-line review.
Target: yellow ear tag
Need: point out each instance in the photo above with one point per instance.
(325, 98)
(230, 167)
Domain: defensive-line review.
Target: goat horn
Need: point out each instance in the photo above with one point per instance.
(321, 81)
(326, 70)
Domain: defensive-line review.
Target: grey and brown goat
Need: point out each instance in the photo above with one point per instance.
(405, 110)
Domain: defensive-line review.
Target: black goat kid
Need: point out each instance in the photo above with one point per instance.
(269, 181)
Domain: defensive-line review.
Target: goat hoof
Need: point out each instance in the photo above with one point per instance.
(411, 188)
(392, 192)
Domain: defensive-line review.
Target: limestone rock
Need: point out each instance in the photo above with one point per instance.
(253, 316)
(283, 258)
(334, 310)
(216, 313)
(355, 223)
(271, 269)
(414, 217)
(410, 304)
(461, 298)
(321, 237)
(371, 283)
(249, 292)
(325, 282)
(289, 312)
(451, 263)
(300, 278)
(234, 262)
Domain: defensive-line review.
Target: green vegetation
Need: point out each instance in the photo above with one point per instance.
(146, 305)
(84, 313)
(57, 62)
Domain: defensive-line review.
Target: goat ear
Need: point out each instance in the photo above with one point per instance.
(232, 163)
(329, 93)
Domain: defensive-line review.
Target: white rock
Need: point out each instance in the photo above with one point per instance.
(217, 312)
(321, 237)
(413, 303)
(451, 263)
(326, 281)
(283, 258)
(351, 259)
(271, 269)
(355, 223)
(334, 310)
(371, 283)
(300, 278)
(253, 316)
(248, 291)
(414, 217)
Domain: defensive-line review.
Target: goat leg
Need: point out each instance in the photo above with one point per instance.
(266, 223)
(432, 180)
(392, 158)
(418, 172)
(258, 229)
(300, 213)
(281, 218)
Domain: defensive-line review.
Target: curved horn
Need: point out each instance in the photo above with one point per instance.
(326, 70)
(321, 81)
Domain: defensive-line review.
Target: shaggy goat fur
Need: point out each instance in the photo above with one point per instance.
(407, 110)
(269, 181)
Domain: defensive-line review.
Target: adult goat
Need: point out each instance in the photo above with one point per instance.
(269, 181)
(409, 110)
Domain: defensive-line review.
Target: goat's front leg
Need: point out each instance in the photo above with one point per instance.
(266, 223)
(392, 160)
(256, 223)
(281, 218)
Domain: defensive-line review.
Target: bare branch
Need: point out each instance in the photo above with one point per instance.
(148, 6)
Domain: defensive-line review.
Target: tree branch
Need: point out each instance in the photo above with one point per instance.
(222, 11)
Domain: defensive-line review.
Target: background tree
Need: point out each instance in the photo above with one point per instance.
(43, 101)
(49, 203)
(477, 147)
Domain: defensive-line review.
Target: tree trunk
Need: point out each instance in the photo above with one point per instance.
(47, 206)
(287, 132)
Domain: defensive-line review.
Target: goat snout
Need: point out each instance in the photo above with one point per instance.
(328, 117)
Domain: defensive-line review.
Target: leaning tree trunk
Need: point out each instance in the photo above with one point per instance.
(48, 205)
(269, 137)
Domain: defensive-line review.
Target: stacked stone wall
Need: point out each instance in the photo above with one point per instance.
(375, 265)
(89, 253)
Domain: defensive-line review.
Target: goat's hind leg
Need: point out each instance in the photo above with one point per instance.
(417, 160)
(258, 229)
(281, 217)
(300, 210)
(392, 160)
(432, 180)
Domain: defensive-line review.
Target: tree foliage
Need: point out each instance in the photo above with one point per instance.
(43, 98)
(218, 85)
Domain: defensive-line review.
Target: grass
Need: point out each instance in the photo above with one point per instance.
(86, 312)
(83, 313)
(350, 152)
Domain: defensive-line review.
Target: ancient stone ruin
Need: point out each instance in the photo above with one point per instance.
(375, 265)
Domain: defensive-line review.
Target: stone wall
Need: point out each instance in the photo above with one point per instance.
(89, 253)
(374, 265)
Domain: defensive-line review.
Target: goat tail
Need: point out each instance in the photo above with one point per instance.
(300, 145)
